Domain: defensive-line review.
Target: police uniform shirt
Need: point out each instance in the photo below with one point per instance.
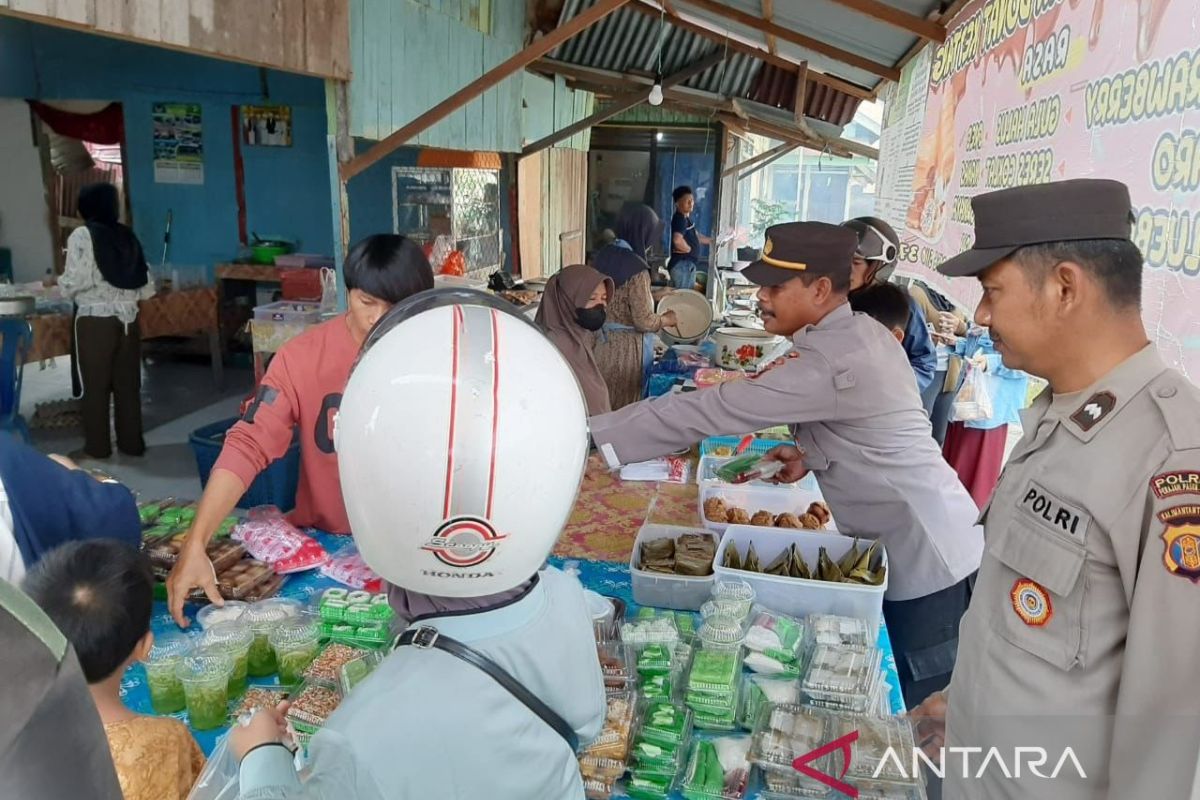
(848, 393)
(1083, 630)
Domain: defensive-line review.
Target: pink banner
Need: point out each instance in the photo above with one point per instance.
(1025, 91)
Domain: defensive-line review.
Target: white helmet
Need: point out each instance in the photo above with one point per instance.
(461, 441)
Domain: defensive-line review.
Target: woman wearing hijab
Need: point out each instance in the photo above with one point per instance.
(624, 351)
(572, 310)
(106, 276)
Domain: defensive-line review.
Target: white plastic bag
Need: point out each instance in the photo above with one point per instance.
(974, 400)
(219, 779)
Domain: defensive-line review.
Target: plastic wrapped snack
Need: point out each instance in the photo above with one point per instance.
(266, 590)
(352, 673)
(869, 757)
(615, 737)
(761, 691)
(348, 567)
(843, 679)
(205, 679)
(259, 697)
(232, 639)
(650, 628)
(783, 733)
(311, 707)
(775, 644)
(243, 577)
(840, 631)
(714, 687)
(718, 769)
(162, 676)
(658, 750)
(324, 668)
(617, 665)
(786, 784)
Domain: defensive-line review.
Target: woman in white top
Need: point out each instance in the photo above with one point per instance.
(106, 275)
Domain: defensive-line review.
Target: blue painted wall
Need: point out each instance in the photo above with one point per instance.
(287, 189)
(698, 170)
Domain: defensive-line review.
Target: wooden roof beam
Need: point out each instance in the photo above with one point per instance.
(798, 39)
(486, 81)
(768, 13)
(773, 152)
(925, 28)
(648, 8)
(624, 103)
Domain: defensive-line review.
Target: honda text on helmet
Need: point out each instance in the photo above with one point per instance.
(461, 441)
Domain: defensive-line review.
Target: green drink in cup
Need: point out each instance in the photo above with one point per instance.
(166, 690)
(232, 639)
(205, 679)
(263, 617)
(296, 645)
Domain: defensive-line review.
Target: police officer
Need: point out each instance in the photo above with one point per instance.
(847, 391)
(1083, 631)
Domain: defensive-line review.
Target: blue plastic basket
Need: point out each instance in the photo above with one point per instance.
(274, 486)
(760, 446)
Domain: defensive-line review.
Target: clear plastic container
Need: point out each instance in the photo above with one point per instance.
(726, 608)
(162, 676)
(326, 667)
(354, 672)
(617, 734)
(869, 752)
(842, 679)
(262, 617)
(231, 611)
(720, 630)
(205, 679)
(783, 785)
(734, 590)
(783, 733)
(714, 687)
(650, 628)
(311, 707)
(617, 665)
(718, 769)
(264, 697)
(761, 691)
(296, 644)
(232, 639)
(776, 644)
(827, 629)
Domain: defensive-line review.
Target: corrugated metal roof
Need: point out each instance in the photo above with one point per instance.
(628, 41)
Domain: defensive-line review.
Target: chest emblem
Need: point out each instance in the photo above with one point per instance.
(1031, 602)
(1098, 406)
(1181, 540)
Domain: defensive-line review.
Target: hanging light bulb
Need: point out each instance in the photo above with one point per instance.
(658, 136)
(656, 93)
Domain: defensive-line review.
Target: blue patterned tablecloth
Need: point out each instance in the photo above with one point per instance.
(600, 576)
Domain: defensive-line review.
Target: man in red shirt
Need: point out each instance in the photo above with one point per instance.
(303, 387)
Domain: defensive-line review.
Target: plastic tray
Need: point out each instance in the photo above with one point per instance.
(799, 597)
(706, 475)
(659, 590)
(714, 445)
(775, 499)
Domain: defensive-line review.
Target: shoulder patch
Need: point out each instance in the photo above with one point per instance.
(1170, 484)
(1181, 541)
(1097, 407)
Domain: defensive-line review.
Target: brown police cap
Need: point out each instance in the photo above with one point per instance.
(797, 249)
(1066, 211)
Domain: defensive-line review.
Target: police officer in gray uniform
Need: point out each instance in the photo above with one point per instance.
(1084, 629)
(847, 392)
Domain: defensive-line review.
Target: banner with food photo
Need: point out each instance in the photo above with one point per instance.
(1027, 91)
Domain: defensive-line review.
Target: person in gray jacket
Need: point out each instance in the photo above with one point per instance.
(847, 393)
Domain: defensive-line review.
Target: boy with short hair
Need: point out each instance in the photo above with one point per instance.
(100, 594)
(884, 303)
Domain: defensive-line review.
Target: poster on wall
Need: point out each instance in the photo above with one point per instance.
(178, 144)
(1026, 91)
(267, 126)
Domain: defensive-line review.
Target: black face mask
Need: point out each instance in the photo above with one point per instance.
(591, 319)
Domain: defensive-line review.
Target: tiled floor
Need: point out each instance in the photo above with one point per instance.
(177, 398)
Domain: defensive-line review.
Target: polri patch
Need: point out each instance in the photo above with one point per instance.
(1181, 540)
(1170, 484)
(1054, 512)
(1031, 602)
(1098, 406)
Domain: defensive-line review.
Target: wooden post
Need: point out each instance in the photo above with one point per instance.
(890, 15)
(801, 91)
(515, 64)
(340, 148)
(622, 103)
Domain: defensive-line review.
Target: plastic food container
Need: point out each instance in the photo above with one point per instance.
(162, 677)
(650, 627)
(311, 707)
(782, 734)
(718, 769)
(258, 697)
(752, 499)
(842, 679)
(775, 644)
(232, 639)
(706, 475)
(262, 617)
(326, 666)
(869, 757)
(295, 643)
(763, 691)
(799, 597)
(714, 687)
(617, 665)
(205, 679)
(850, 632)
(215, 615)
(736, 593)
(617, 734)
(354, 672)
(660, 590)
(721, 630)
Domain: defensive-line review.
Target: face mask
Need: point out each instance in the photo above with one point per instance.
(591, 319)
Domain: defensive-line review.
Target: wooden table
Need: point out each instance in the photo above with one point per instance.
(182, 313)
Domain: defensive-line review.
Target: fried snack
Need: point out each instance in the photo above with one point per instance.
(715, 510)
(821, 511)
(738, 516)
(763, 518)
(810, 523)
(786, 520)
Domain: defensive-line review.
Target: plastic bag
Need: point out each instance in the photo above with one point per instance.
(219, 778)
(349, 569)
(974, 400)
(281, 544)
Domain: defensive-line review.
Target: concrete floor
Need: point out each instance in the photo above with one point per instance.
(177, 398)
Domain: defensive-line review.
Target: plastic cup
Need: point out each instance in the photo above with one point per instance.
(232, 611)
(296, 645)
(232, 639)
(262, 617)
(205, 679)
(166, 690)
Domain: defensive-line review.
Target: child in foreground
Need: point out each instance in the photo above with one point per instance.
(100, 594)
